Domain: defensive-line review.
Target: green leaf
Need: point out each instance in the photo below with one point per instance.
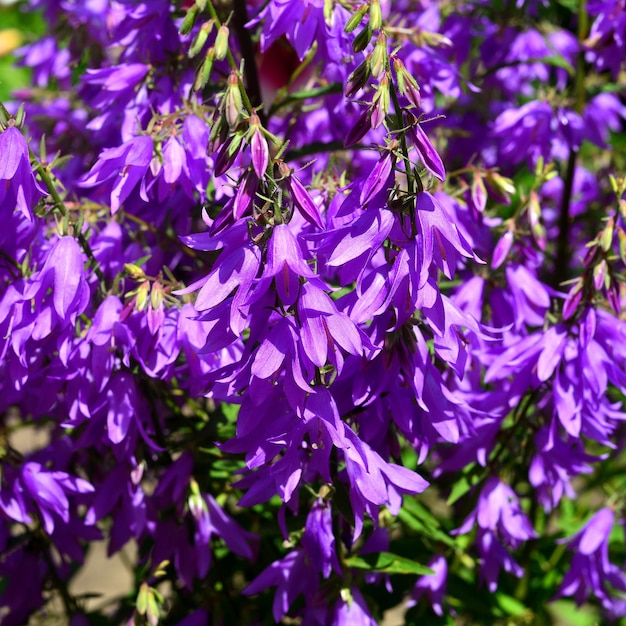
(461, 487)
(566, 612)
(557, 61)
(388, 563)
(414, 523)
(510, 605)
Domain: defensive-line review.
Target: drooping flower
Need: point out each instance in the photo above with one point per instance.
(18, 187)
(590, 570)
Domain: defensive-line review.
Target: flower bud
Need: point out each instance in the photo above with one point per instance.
(227, 154)
(502, 249)
(360, 128)
(503, 187)
(479, 193)
(534, 217)
(134, 271)
(606, 238)
(203, 73)
(200, 39)
(20, 116)
(356, 18)
(221, 42)
(380, 104)
(362, 39)
(378, 60)
(201, 4)
(156, 296)
(614, 296)
(258, 145)
(407, 85)
(301, 198)
(376, 15)
(358, 79)
(601, 276)
(232, 100)
(142, 296)
(245, 194)
(189, 21)
(573, 300)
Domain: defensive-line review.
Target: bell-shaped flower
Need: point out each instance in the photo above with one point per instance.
(352, 610)
(66, 262)
(292, 575)
(375, 482)
(426, 152)
(119, 170)
(286, 264)
(499, 511)
(379, 178)
(323, 328)
(236, 269)
(44, 491)
(318, 538)
(18, 187)
(442, 242)
(591, 572)
(494, 557)
(433, 586)
(301, 198)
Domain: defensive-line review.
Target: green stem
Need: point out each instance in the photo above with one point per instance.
(231, 59)
(563, 251)
(403, 144)
(69, 603)
(253, 85)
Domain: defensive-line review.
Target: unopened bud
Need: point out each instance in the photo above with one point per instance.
(201, 4)
(200, 39)
(380, 105)
(227, 154)
(407, 85)
(233, 103)
(358, 79)
(479, 193)
(378, 60)
(435, 40)
(284, 170)
(142, 296)
(376, 15)
(537, 229)
(360, 128)
(356, 18)
(134, 271)
(606, 238)
(573, 300)
(203, 73)
(600, 276)
(189, 21)
(20, 116)
(221, 42)
(503, 187)
(156, 296)
(362, 39)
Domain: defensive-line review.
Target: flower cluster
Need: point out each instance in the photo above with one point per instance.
(271, 271)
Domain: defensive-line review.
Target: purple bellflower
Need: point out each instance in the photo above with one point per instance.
(18, 187)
